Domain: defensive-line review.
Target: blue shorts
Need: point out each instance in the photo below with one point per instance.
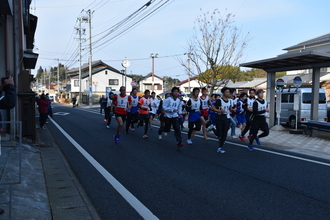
(241, 119)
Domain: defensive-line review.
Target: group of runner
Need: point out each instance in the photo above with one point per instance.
(215, 114)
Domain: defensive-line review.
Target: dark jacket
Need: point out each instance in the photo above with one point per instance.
(8, 101)
(43, 106)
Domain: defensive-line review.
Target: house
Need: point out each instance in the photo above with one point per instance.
(103, 76)
(194, 82)
(319, 44)
(147, 81)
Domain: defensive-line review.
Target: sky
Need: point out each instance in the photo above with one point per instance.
(271, 26)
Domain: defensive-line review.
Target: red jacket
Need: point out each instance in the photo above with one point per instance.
(43, 104)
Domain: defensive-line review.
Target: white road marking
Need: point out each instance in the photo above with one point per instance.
(61, 113)
(267, 151)
(129, 197)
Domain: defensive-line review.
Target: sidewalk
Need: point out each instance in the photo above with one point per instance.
(48, 188)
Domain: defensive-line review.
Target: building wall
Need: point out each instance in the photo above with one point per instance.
(147, 84)
(193, 84)
(101, 81)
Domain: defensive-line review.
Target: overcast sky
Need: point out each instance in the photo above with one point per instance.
(272, 26)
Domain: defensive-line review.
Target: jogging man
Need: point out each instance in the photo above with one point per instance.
(123, 103)
(173, 110)
(161, 113)
(248, 113)
(133, 114)
(194, 107)
(154, 108)
(205, 108)
(108, 111)
(259, 119)
(144, 106)
(240, 113)
(222, 107)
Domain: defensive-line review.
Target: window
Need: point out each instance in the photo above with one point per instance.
(113, 82)
(76, 83)
(148, 87)
(291, 98)
(307, 98)
(186, 90)
(285, 98)
(106, 72)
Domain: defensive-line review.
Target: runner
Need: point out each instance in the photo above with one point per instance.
(108, 111)
(122, 102)
(161, 113)
(204, 113)
(133, 114)
(259, 119)
(248, 113)
(233, 123)
(222, 107)
(240, 116)
(194, 107)
(154, 108)
(172, 108)
(144, 106)
(212, 115)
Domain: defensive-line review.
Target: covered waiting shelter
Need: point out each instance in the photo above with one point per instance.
(292, 61)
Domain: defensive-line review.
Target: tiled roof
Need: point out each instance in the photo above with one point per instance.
(315, 40)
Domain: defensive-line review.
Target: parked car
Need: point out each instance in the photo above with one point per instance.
(288, 115)
(328, 110)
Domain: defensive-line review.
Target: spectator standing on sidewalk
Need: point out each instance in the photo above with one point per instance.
(74, 100)
(103, 103)
(8, 100)
(43, 110)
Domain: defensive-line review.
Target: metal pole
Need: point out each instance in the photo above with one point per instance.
(58, 76)
(125, 77)
(79, 98)
(188, 72)
(153, 69)
(90, 59)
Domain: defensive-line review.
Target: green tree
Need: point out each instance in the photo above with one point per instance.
(135, 77)
(170, 82)
(39, 73)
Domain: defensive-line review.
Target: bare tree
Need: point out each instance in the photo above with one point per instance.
(215, 49)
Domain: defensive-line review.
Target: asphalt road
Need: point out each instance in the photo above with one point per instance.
(193, 182)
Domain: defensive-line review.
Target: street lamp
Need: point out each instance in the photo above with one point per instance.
(153, 56)
(125, 64)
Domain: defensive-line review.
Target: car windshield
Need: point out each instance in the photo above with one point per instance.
(307, 98)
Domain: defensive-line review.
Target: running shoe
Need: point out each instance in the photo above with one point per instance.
(220, 150)
(108, 126)
(258, 141)
(150, 128)
(233, 137)
(145, 136)
(117, 139)
(179, 144)
(160, 137)
(165, 133)
(209, 128)
(250, 136)
(241, 138)
(189, 141)
(206, 137)
(104, 120)
(132, 128)
(194, 133)
(250, 148)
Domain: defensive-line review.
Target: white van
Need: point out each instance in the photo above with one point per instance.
(288, 115)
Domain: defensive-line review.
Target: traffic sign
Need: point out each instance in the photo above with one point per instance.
(280, 83)
(133, 83)
(297, 81)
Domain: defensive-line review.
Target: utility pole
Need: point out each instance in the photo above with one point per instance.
(79, 30)
(188, 59)
(89, 12)
(58, 76)
(153, 56)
